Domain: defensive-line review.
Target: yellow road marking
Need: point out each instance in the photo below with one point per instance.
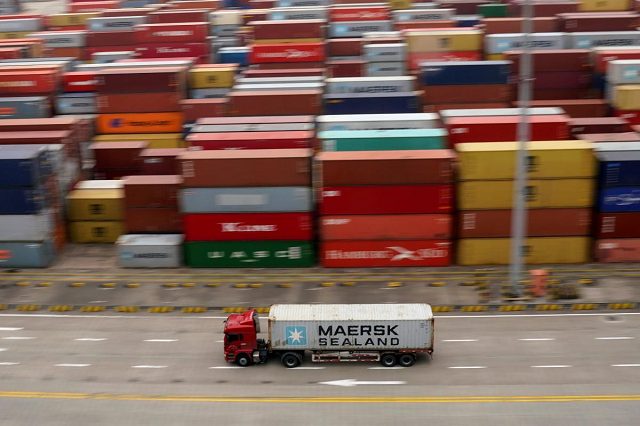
(325, 400)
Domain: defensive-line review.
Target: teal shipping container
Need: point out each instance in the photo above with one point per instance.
(383, 140)
(250, 254)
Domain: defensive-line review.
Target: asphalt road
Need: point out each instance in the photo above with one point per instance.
(551, 369)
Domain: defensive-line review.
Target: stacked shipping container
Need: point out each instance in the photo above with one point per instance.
(95, 215)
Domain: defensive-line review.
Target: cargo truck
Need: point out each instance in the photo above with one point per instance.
(390, 333)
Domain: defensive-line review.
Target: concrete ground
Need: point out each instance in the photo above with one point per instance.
(551, 369)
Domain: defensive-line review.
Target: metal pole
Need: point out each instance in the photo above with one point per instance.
(519, 217)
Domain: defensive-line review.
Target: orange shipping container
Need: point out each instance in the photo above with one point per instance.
(386, 227)
(162, 122)
(617, 250)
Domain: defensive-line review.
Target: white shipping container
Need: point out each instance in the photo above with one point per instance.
(98, 67)
(623, 72)
(423, 15)
(497, 112)
(115, 23)
(377, 121)
(370, 85)
(150, 251)
(226, 17)
(281, 86)
(616, 146)
(20, 25)
(499, 43)
(54, 39)
(26, 227)
(385, 69)
(100, 184)
(262, 127)
(301, 3)
(108, 57)
(589, 40)
(357, 28)
(392, 52)
(279, 80)
(351, 327)
(297, 13)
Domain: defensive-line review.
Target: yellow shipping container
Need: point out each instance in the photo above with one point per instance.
(7, 36)
(156, 140)
(541, 194)
(537, 251)
(604, 5)
(288, 40)
(95, 204)
(444, 41)
(69, 19)
(202, 78)
(495, 57)
(545, 160)
(400, 4)
(95, 232)
(626, 97)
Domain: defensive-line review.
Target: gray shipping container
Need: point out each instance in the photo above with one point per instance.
(115, 23)
(263, 127)
(150, 251)
(499, 43)
(246, 200)
(20, 25)
(616, 146)
(370, 84)
(423, 15)
(76, 103)
(301, 3)
(69, 62)
(297, 13)
(497, 112)
(588, 40)
(167, 63)
(108, 57)
(358, 28)
(209, 92)
(26, 254)
(281, 86)
(56, 39)
(351, 327)
(377, 121)
(280, 80)
(388, 52)
(27, 107)
(386, 69)
(26, 227)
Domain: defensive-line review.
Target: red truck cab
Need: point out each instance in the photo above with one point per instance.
(241, 343)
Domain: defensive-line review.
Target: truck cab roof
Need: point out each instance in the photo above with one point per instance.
(245, 322)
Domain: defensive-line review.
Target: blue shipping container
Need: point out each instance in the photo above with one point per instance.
(371, 103)
(235, 56)
(619, 200)
(23, 166)
(26, 255)
(21, 201)
(467, 20)
(619, 168)
(27, 107)
(465, 73)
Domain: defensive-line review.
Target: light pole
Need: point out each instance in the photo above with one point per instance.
(519, 214)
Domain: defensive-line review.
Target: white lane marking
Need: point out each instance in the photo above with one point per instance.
(219, 341)
(11, 328)
(3, 349)
(614, 338)
(9, 363)
(72, 365)
(18, 338)
(89, 339)
(625, 365)
(148, 366)
(99, 301)
(461, 340)
(355, 382)
(307, 368)
(386, 368)
(551, 366)
(224, 368)
(161, 340)
(469, 366)
(541, 339)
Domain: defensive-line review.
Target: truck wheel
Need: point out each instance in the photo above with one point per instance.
(290, 360)
(388, 360)
(243, 360)
(407, 360)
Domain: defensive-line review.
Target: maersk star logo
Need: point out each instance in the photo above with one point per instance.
(583, 43)
(296, 336)
(630, 73)
(504, 45)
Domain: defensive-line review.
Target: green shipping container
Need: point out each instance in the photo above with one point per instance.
(250, 254)
(383, 140)
(493, 10)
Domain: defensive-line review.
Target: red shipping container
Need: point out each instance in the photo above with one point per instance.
(172, 33)
(287, 52)
(553, 60)
(602, 57)
(194, 109)
(178, 16)
(514, 25)
(575, 108)
(346, 68)
(114, 174)
(118, 155)
(92, 6)
(388, 199)
(289, 65)
(161, 161)
(386, 227)
(344, 47)
(357, 14)
(79, 81)
(557, 94)
(88, 52)
(135, 11)
(24, 82)
(561, 80)
(618, 225)
(605, 21)
(152, 191)
(194, 4)
(466, 7)
(617, 250)
(631, 117)
(270, 119)
(415, 59)
(440, 107)
(173, 50)
(154, 221)
(285, 102)
(376, 254)
(252, 140)
(549, 8)
(288, 29)
(504, 129)
(13, 53)
(111, 38)
(138, 102)
(152, 79)
(610, 137)
(467, 94)
(311, 72)
(248, 227)
(598, 125)
(254, 15)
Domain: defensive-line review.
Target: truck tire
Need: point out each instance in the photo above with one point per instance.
(388, 360)
(243, 360)
(291, 360)
(407, 360)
